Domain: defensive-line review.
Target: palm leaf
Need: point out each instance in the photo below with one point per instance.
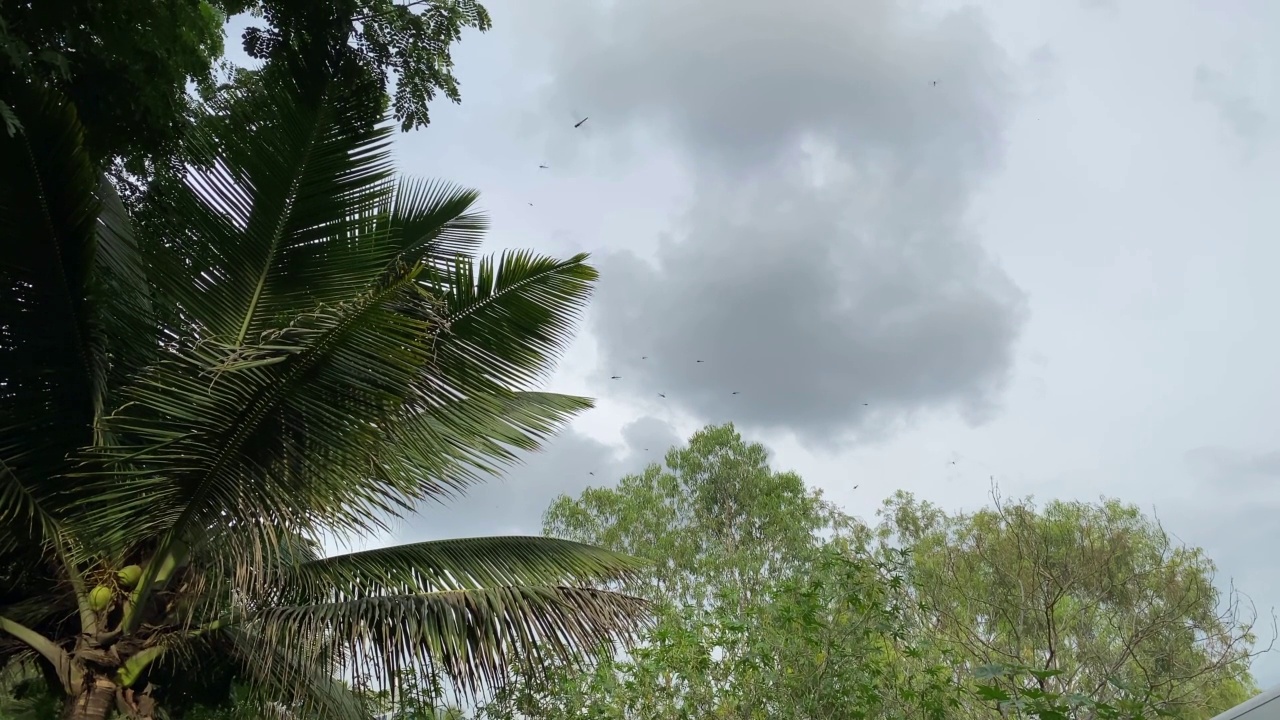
(431, 222)
(470, 636)
(283, 433)
(304, 684)
(124, 301)
(281, 221)
(53, 360)
(456, 564)
(444, 448)
(510, 317)
(464, 607)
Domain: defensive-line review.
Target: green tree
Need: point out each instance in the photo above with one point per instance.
(303, 348)
(127, 66)
(770, 604)
(1095, 598)
(124, 65)
(407, 44)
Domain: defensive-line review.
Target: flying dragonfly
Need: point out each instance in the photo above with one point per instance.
(661, 395)
(542, 167)
(735, 392)
(579, 123)
(616, 377)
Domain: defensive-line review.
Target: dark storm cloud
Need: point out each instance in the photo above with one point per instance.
(513, 504)
(810, 302)
(813, 336)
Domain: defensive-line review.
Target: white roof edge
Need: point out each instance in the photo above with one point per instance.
(1248, 706)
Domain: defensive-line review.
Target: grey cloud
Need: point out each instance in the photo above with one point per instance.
(1043, 72)
(1237, 109)
(811, 298)
(740, 82)
(513, 504)
(1233, 471)
(815, 336)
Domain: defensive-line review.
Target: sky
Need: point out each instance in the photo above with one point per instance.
(931, 245)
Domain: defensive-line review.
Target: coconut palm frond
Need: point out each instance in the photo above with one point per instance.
(456, 564)
(296, 684)
(509, 317)
(441, 449)
(126, 312)
(280, 221)
(432, 222)
(277, 439)
(469, 636)
(53, 356)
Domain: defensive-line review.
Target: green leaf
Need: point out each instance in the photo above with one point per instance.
(992, 693)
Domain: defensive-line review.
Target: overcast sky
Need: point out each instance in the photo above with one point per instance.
(1035, 239)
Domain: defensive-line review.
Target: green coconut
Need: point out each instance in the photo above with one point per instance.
(100, 598)
(129, 575)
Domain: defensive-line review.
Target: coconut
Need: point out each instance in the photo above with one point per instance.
(129, 576)
(100, 598)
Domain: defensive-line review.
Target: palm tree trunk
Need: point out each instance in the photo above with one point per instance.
(95, 701)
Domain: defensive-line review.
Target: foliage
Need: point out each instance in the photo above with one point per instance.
(1095, 595)
(1016, 692)
(125, 66)
(296, 347)
(773, 603)
(770, 605)
(716, 520)
(416, 696)
(405, 44)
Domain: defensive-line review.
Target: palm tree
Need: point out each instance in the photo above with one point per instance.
(294, 347)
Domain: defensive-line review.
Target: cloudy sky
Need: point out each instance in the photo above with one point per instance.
(1033, 239)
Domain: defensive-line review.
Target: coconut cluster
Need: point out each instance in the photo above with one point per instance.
(100, 597)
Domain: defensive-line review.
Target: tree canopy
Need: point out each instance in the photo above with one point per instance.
(775, 603)
(1097, 593)
(125, 66)
(128, 67)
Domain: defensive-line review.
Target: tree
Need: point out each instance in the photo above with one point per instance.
(408, 43)
(1095, 598)
(716, 519)
(769, 604)
(302, 349)
(773, 603)
(125, 66)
